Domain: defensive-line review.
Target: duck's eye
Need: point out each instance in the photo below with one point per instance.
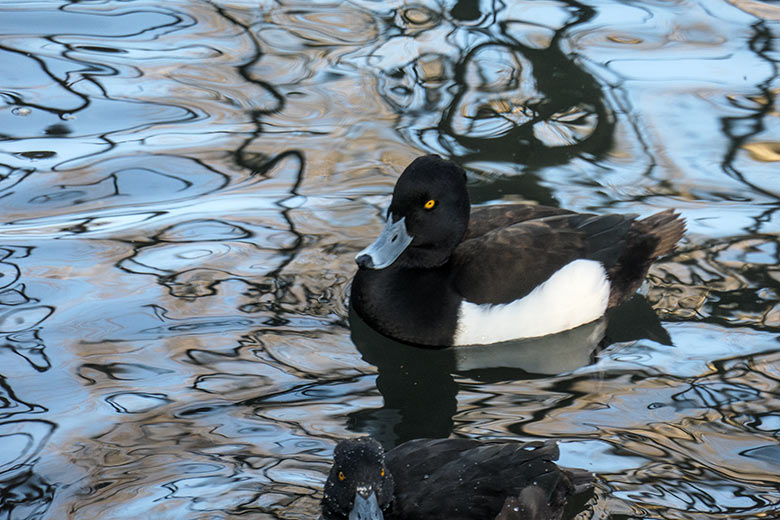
(341, 475)
(382, 472)
(430, 204)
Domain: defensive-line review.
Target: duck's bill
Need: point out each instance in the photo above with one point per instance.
(392, 241)
(366, 508)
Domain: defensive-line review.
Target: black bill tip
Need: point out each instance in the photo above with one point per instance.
(365, 262)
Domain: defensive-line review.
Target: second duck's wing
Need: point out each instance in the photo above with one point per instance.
(471, 480)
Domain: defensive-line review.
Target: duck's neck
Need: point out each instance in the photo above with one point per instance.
(423, 257)
(410, 304)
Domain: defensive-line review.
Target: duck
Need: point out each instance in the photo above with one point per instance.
(453, 479)
(443, 273)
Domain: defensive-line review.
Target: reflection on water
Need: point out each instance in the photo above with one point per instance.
(183, 187)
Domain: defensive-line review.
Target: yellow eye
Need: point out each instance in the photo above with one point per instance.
(382, 473)
(430, 204)
(341, 475)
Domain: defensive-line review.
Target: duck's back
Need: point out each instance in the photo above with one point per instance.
(484, 219)
(460, 479)
(509, 250)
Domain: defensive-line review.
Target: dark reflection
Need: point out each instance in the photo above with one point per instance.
(21, 314)
(37, 154)
(418, 384)
(761, 107)
(466, 10)
(189, 257)
(11, 405)
(502, 100)
(738, 390)
(11, 177)
(23, 492)
(635, 319)
(126, 183)
(270, 247)
(58, 129)
(731, 282)
(67, 90)
(119, 371)
(690, 466)
(565, 117)
(25, 495)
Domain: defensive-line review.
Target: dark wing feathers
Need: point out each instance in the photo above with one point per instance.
(488, 218)
(423, 456)
(667, 227)
(606, 236)
(476, 477)
(503, 264)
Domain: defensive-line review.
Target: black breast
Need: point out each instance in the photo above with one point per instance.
(413, 305)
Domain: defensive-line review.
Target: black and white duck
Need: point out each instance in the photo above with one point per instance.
(443, 273)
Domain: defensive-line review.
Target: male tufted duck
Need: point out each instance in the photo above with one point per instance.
(453, 479)
(444, 274)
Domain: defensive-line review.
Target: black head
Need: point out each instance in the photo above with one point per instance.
(358, 477)
(431, 194)
(427, 218)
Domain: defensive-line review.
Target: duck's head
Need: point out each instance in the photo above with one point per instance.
(359, 486)
(427, 217)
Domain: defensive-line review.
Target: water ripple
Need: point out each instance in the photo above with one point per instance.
(183, 188)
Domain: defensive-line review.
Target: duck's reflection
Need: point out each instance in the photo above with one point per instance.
(418, 384)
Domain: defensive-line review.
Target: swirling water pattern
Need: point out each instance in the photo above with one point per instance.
(183, 186)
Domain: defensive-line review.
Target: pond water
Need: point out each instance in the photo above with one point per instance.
(183, 186)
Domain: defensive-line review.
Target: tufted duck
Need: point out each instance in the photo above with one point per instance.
(453, 479)
(444, 274)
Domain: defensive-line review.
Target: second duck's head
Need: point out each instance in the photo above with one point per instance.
(427, 217)
(359, 486)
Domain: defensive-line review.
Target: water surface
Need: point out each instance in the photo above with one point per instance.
(183, 186)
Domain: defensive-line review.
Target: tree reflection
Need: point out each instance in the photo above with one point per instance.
(740, 130)
(500, 99)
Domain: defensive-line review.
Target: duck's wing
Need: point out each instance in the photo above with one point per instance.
(508, 262)
(474, 481)
(484, 219)
(416, 458)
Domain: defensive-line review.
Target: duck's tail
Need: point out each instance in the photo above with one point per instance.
(646, 240)
(571, 489)
(668, 227)
(581, 479)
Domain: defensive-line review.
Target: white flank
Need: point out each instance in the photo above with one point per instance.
(576, 294)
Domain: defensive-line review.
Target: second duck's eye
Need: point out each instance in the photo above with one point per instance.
(430, 204)
(341, 475)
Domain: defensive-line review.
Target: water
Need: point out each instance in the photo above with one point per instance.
(183, 186)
